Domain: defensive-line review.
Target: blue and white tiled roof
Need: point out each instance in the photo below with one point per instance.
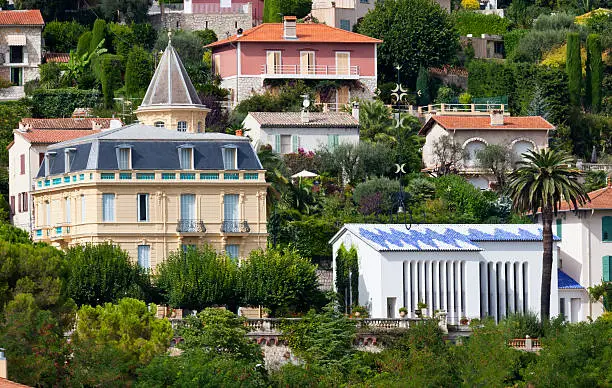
(440, 237)
(566, 282)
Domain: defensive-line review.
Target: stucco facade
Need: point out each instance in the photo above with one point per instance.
(20, 50)
(493, 277)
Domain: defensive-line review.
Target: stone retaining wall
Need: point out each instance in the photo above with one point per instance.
(223, 25)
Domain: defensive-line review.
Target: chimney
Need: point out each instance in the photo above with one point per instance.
(114, 124)
(355, 110)
(239, 132)
(609, 181)
(305, 116)
(3, 368)
(497, 117)
(290, 27)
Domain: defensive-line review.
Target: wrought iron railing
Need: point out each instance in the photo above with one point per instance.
(235, 226)
(190, 226)
(310, 70)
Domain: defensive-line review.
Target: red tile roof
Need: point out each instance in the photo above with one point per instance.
(306, 33)
(21, 18)
(57, 57)
(50, 136)
(600, 199)
(484, 122)
(4, 383)
(66, 123)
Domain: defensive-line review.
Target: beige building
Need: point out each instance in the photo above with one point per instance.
(27, 150)
(153, 189)
(474, 132)
(20, 50)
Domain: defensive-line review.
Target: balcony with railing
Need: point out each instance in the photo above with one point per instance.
(190, 226)
(310, 72)
(235, 226)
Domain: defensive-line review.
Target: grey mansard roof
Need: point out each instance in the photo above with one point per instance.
(170, 84)
(152, 149)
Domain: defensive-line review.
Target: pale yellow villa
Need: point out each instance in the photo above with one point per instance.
(155, 186)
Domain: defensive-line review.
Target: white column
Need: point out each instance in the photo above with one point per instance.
(472, 289)
(436, 285)
(451, 303)
(484, 288)
(407, 286)
(429, 277)
(459, 287)
(501, 273)
(493, 291)
(511, 288)
(422, 282)
(519, 288)
(443, 288)
(414, 285)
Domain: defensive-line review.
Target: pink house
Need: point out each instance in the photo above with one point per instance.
(225, 6)
(291, 50)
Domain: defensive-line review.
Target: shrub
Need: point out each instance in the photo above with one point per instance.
(470, 4)
(138, 71)
(62, 36)
(478, 24)
(186, 43)
(387, 189)
(122, 38)
(534, 44)
(511, 40)
(145, 35)
(84, 43)
(206, 36)
(98, 34)
(62, 102)
(111, 67)
(50, 75)
(556, 21)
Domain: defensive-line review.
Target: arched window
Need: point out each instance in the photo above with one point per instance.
(520, 147)
(471, 150)
(160, 124)
(199, 127)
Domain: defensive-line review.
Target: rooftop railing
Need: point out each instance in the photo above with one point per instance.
(311, 71)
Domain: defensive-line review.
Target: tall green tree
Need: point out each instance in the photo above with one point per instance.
(138, 71)
(542, 183)
(103, 273)
(197, 278)
(281, 280)
(573, 67)
(125, 10)
(594, 72)
(422, 87)
(415, 33)
(498, 159)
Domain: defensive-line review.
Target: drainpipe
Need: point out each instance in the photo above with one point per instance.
(589, 262)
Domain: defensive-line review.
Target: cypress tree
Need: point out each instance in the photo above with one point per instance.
(271, 13)
(84, 43)
(422, 86)
(98, 33)
(573, 67)
(595, 71)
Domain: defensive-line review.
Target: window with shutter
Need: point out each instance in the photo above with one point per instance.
(295, 140)
(277, 143)
(606, 229)
(606, 270)
(22, 163)
(12, 204)
(25, 202)
(559, 227)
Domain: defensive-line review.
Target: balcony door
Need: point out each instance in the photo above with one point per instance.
(188, 213)
(307, 62)
(343, 63)
(231, 213)
(273, 62)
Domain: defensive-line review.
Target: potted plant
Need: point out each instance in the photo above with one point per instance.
(403, 311)
(265, 312)
(422, 308)
(359, 312)
(463, 321)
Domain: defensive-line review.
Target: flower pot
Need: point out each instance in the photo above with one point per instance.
(357, 314)
(402, 314)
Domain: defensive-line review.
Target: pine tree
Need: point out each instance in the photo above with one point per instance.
(573, 67)
(594, 72)
(538, 105)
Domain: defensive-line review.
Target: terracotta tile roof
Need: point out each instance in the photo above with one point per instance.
(66, 123)
(294, 119)
(4, 383)
(50, 136)
(484, 122)
(306, 33)
(21, 18)
(600, 199)
(57, 57)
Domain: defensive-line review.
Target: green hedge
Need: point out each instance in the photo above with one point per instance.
(62, 36)
(518, 81)
(478, 24)
(138, 71)
(111, 67)
(62, 102)
(512, 39)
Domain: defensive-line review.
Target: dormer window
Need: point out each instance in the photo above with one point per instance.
(160, 124)
(182, 126)
(68, 158)
(186, 156)
(230, 161)
(48, 159)
(124, 157)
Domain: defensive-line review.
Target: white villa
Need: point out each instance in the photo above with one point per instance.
(471, 271)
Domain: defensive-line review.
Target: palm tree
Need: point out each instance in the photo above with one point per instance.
(542, 182)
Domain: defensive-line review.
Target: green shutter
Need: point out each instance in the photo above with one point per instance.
(332, 142)
(559, 227)
(295, 141)
(277, 143)
(606, 229)
(607, 269)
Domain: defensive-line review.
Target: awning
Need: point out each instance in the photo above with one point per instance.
(16, 40)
